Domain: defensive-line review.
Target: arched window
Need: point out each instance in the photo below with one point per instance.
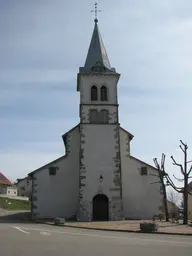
(103, 93)
(94, 95)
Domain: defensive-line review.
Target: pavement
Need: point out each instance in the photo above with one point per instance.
(39, 239)
(133, 226)
(19, 237)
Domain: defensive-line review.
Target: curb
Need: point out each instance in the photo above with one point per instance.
(131, 231)
(116, 230)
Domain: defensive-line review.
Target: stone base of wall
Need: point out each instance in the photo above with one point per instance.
(117, 210)
(85, 213)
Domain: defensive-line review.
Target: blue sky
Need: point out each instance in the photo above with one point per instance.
(42, 45)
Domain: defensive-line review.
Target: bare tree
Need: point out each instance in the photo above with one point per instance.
(185, 171)
(161, 175)
(173, 197)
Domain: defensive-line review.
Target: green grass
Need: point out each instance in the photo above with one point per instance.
(14, 204)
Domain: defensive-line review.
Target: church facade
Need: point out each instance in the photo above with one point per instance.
(97, 178)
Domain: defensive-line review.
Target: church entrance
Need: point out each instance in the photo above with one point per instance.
(100, 208)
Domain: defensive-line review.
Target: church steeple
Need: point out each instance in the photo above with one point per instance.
(97, 54)
(97, 60)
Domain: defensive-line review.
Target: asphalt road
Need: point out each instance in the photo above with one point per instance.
(36, 239)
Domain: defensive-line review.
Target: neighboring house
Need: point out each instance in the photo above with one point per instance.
(6, 187)
(190, 202)
(24, 187)
(4, 184)
(12, 191)
(97, 178)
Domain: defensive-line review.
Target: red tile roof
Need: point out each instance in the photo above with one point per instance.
(4, 180)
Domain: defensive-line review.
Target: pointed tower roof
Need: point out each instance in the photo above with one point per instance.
(97, 59)
(97, 52)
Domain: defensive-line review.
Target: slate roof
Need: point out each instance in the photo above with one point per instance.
(97, 51)
(97, 55)
(4, 180)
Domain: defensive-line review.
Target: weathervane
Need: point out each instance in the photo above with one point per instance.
(96, 11)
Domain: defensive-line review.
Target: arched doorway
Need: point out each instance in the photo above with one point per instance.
(100, 208)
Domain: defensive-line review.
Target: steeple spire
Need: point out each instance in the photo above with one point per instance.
(97, 59)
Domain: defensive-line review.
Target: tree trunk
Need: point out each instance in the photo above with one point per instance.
(165, 203)
(185, 201)
(185, 210)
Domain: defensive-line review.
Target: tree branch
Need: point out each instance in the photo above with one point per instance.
(180, 165)
(182, 148)
(189, 170)
(179, 190)
(156, 163)
(162, 161)
(184, 144)
(174, 162)
(180, 180)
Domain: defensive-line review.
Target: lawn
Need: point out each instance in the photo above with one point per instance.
(14, 204)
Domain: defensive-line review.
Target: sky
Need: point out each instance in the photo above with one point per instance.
(44, 42)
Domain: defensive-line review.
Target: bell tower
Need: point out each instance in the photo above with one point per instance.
(100, 189)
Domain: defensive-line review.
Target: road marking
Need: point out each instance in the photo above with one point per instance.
(113, 237)
(45, 233)
(21, 230)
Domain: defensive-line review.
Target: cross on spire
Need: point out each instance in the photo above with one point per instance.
(96, 11)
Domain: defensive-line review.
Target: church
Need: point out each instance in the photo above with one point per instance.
(97, 179)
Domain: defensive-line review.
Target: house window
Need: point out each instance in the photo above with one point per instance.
(104, 116)
(103, 93)
(94, 93)
(14, 192)
(93, 116)
(52, 170)
(144, 170)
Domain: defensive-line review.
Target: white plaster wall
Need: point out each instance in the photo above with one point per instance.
(57, 195)
(141, 199)
(124, 142)
(11, 191)
(110, 81)
(99, 151)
